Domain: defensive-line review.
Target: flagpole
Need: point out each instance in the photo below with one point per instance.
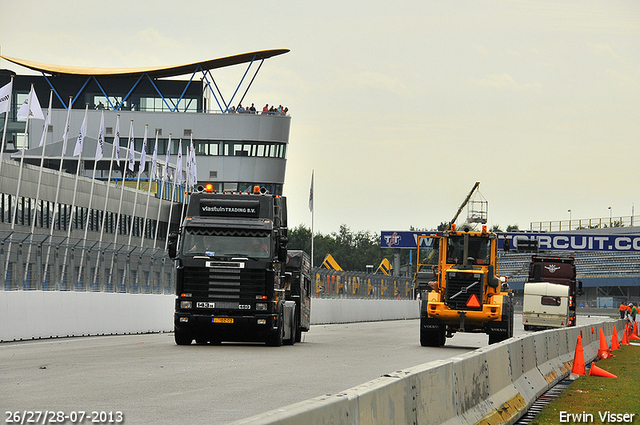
(173, 198)
(312, 214)
(43, 144)
(141, 167)
(182, 201)
(164, 179)
(65, 137)
(153, 172)
(98, 156)
(115, 236)
(76, 151)
(14, 219)
(6, 120)
(116, 145)
(24, 148)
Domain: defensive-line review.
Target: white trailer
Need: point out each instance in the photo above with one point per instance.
(545, 305)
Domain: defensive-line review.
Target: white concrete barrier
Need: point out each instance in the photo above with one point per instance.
(346, 310)
(46, 314)
(49, 314)
(491, 385)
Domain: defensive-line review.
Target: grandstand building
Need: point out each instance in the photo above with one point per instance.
(42, 209)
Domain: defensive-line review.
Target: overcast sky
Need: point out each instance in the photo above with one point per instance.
(400, 107)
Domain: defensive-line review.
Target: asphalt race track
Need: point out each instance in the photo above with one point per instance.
(151, 380)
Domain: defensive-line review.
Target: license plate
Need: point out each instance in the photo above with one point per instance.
(205, 305)
(222, 320)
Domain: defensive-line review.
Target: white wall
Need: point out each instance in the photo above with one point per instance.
(45, 314)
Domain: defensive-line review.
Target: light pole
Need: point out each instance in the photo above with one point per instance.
(569, 211)
(610, 217)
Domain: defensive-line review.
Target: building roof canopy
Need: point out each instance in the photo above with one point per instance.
(153, 72)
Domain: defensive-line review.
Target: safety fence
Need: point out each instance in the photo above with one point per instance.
(32, 262)
(38, 262)
(334, 284)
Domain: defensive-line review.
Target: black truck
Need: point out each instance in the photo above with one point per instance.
(231, 279)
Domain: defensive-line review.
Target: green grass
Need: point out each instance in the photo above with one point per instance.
(594, 395)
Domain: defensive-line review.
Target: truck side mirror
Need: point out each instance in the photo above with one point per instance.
(172, 245)
(492, 280)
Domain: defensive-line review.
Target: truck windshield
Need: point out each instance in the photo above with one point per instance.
(428, 253)
(226, 243)
(479, 249)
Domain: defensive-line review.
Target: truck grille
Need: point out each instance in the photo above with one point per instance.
(224, 283)
(461, 286)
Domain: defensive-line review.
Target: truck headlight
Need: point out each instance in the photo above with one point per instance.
(261, 306)
(185, 304)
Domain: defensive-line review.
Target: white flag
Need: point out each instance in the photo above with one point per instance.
(154, 158)
(116, 140)
(5, 97)
(166, 164)
(47, 122)
(143, 154)
(83, 132)
(30, 108)
(193, 173)
(132, 160)
(100, 145)
(179, 165)
(311, 194)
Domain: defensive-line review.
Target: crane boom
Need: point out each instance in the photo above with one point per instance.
(466, 201)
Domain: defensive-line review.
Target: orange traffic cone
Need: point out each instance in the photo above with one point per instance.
(625, 338)
(578, 359)
(615, 345)
(603, 352)
(593, 330)
(596, 371)
(632, 336)
(635, 328)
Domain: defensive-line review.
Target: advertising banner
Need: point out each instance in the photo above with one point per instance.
(546, 241)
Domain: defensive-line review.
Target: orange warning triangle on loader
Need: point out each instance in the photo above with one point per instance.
(596, 371)
(473, 301)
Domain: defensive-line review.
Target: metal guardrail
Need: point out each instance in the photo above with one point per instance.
(584, 223)
(345, 284)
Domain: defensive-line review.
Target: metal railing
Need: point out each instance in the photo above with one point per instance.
(71, 264)
(584, 223)
(345, 284)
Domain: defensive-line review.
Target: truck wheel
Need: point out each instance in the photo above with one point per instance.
(294, 327)
(429, 338)
(182, 337)
(275, 340)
